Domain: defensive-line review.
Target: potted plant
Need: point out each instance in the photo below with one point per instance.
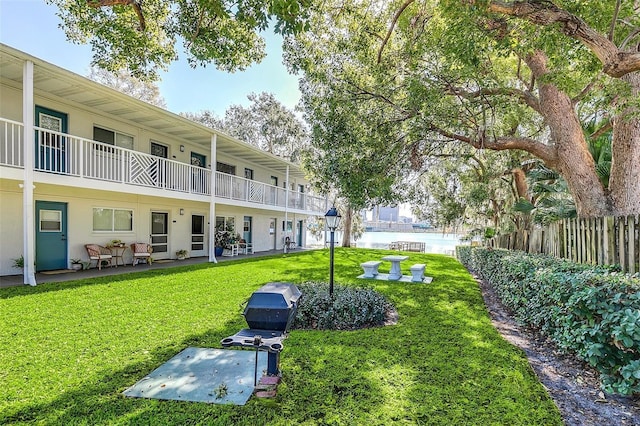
(19, 262)
(76, 264)
(115, 243)
(223, 237)
(181, 254)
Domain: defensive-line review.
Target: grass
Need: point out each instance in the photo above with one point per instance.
(68, 350)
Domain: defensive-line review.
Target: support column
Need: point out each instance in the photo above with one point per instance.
(28, 224)
(286, 212)
(212, 202)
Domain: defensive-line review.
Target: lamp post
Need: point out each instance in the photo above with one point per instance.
(332, 219)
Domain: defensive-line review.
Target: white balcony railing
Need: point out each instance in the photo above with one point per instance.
(11, 141)
(61, 153)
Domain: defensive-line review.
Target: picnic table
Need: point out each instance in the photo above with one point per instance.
(395, 273)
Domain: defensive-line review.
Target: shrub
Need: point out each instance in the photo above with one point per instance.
(350, 309)
(592, 311)
(19, 262)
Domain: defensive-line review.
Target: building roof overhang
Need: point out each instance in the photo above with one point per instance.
(52, 81)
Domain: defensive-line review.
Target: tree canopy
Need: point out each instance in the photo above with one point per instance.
(123, 82)
(265, 123)
(404, 79)
(143, 35)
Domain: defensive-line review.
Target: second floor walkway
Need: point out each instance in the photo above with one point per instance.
(72, 156)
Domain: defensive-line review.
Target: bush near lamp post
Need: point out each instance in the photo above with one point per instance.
(592, 311)
(349, 308)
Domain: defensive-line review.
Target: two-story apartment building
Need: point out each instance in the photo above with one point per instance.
(81, 163)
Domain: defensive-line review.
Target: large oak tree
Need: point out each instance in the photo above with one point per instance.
(500, 75)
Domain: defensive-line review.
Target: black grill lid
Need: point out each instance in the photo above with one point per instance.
(272, 307)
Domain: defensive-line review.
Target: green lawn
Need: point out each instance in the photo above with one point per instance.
(68, 350)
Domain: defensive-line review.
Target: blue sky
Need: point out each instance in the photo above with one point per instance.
(32, 27)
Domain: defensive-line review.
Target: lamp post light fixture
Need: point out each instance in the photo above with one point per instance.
(332, 219)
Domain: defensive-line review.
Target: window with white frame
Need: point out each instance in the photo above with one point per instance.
(112, 220)
(228, 222)
(112, 138)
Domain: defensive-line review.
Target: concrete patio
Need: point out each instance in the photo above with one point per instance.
(44, 277)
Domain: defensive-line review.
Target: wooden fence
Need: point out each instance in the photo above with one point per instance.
(599, 241)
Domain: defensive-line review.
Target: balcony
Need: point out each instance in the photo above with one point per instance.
(64, 154)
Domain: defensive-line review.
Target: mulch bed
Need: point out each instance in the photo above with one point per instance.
(573, 384)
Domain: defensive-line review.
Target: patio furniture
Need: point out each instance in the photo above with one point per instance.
(141, 251)
(417, 272)
(244, 247)
(370, 268)
(395, 273)
(118, 253)
(289, 243)
(231, 250)
(99, 254)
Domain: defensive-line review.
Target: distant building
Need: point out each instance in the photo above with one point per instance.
(385, 214)
(389, 214)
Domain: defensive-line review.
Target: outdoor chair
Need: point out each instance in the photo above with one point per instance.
(244, 247)
(231, 249)
(99, 254)
(141, 251)
(289, 243)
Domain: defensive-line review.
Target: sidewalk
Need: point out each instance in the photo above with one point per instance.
(44, 277)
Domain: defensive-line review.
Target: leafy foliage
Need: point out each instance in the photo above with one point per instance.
(469, 189)
(350, 308)
(224, 234)
(142, 36)
(551, 200)
(266, 124)
(124, 82)
(389, 86)
(592, 311)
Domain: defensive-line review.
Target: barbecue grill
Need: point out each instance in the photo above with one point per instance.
(269, 313)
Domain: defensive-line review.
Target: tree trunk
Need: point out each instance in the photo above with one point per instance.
(624, 180)
(572, 160)
(346, 228)
(520, 180)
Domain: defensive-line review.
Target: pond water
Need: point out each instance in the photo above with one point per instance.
(435, 242)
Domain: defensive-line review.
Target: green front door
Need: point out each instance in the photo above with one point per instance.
(51, 235)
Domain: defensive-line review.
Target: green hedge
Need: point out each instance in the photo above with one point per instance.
(592, 311)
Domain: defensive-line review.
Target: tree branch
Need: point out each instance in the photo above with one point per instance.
(528, 98)
(613, 21)
(615, 62)
(392, 26)
(584, 92)
(136, 6)
(602, 130)
(540, 150)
